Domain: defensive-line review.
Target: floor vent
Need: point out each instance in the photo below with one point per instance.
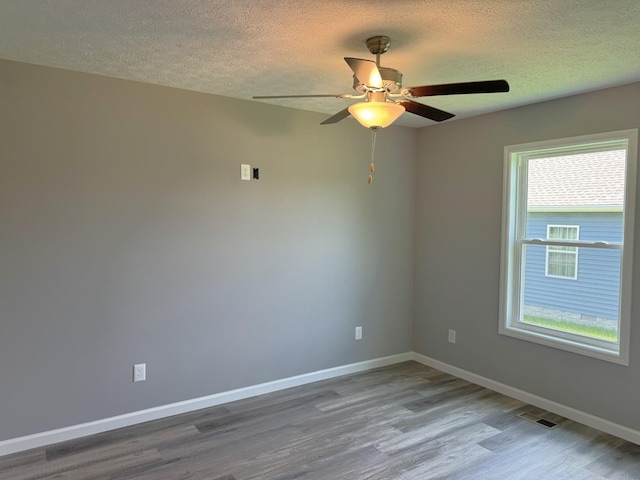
(536, 419)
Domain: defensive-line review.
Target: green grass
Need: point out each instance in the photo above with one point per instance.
(602, 333)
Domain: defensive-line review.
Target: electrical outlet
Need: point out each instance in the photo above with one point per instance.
(140, 372)
(358, 333)
(245, 172)
(452, 336)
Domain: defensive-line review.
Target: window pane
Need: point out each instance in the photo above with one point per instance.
(559, 232)
(562, 264)
(587, 306)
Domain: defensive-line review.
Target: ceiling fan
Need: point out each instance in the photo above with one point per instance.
(384, 97)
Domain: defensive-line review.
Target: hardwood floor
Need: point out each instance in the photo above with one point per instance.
(406, 421)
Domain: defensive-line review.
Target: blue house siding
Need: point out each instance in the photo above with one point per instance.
(596, 290)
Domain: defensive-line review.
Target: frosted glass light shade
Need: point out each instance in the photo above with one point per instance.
(376, 114)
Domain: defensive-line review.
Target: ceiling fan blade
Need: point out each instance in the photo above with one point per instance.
(342, 114)
(327, 95)
(426, 111)
(365, 71)
(487, 86)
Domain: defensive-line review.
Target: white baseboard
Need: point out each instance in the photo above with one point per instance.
(20, 444)
(28, 442)
(571, 413)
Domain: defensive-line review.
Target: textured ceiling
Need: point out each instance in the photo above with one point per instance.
(238, 48)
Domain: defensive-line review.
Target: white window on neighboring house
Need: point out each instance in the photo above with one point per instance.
(562, 261)
(555, 186)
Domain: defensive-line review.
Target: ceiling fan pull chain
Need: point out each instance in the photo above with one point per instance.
(372, 166)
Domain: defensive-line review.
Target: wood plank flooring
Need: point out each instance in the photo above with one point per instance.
(405, 422)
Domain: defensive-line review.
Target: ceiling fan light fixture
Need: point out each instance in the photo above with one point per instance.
(376, 114)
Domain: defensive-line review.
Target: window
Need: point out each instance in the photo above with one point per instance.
(562, 262)
(568, 200)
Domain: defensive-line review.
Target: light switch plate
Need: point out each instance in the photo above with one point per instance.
(140, 372)
(245, 172)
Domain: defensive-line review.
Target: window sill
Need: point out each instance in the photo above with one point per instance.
(612, 354)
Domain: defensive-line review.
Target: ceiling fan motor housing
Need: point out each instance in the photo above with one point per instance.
(391, 81)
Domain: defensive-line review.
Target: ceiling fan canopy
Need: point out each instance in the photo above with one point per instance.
(384, 98)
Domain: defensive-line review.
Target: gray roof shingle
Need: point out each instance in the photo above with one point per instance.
(585, 180)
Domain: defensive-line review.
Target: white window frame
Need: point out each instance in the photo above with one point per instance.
(574, 252)
(514, 242)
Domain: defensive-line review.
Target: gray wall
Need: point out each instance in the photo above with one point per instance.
(127, 236)
(458, 221)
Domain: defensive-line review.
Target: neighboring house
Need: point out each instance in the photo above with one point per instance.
(582, 281)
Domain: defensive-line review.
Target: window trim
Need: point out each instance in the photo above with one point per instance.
(511, 292)
(575, 253)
